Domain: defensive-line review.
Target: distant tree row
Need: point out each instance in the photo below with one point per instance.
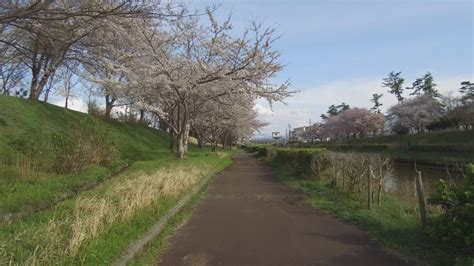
(424, 109)
(157, 58)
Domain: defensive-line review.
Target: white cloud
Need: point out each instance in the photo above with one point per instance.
(76, 104)
(311, 103)
(262, 110)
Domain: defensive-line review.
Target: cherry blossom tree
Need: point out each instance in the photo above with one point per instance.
(353, 122)
(415, 113)
(225, 121)
(190, 65)
(50, 34)
(314, 132)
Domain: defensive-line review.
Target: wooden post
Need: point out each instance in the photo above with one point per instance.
(369, 188)
(421, 198)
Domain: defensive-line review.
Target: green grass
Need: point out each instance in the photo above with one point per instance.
(395, 224)
(31, 235)
(152, 252)
(454, 137)
(437, 147)
(21, 117)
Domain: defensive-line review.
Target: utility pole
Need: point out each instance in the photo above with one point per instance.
(289, 132)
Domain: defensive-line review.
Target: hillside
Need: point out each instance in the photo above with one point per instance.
(77, 189)
(18, 117)
(38, 140)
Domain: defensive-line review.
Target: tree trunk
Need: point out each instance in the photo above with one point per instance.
(181, 148)
(187, 128)
(108, 110)
(379, 193)
(46, 95)
(37, 88)
(142, 115)
(66, 102)
(109, 104)
(369, 188)
(173, 141)
(200, 143)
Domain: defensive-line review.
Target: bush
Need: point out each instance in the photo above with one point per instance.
(95, 110)
(441, 147)
(369, 147)
(84, 143)
(300, 160)
(456, 226)
(400, 129)
(261, 150)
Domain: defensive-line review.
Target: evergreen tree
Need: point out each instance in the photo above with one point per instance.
(342, 107)
(426, 85)
(376, 100)
(395, 82)
(467, 91)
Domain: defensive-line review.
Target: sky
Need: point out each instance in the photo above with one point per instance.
(339, 50)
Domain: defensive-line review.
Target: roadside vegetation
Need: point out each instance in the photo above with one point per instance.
(338, 183)
(98, 225)
(433, 147)
(78, 188)
(59, 170)
(48, 152)
(423, 126)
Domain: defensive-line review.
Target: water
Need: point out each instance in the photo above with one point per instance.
(401, 182)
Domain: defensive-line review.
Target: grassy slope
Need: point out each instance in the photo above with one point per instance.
(455, 137)
(45, 236)
(18, 117)
(399, 146)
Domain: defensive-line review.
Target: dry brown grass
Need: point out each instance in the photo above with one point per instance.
(94, 212)
(123, 199)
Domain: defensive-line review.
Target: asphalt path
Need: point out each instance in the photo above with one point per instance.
(249, 218)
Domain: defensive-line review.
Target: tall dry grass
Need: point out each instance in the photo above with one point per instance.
(93, 213)
(123, 199)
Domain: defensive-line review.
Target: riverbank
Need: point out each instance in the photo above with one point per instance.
(434, 150)
(393, 222)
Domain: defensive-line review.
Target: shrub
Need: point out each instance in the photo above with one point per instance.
(300, 160)
(347, 170)
(369, 147)
(261, 150)
(400, 129)
(442, 148)
(456, 225)
(95, 110)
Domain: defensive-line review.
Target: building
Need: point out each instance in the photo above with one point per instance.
(298, 134)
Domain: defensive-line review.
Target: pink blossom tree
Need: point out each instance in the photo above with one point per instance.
(415, 113)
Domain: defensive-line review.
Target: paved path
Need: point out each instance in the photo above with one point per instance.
(248, 218)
